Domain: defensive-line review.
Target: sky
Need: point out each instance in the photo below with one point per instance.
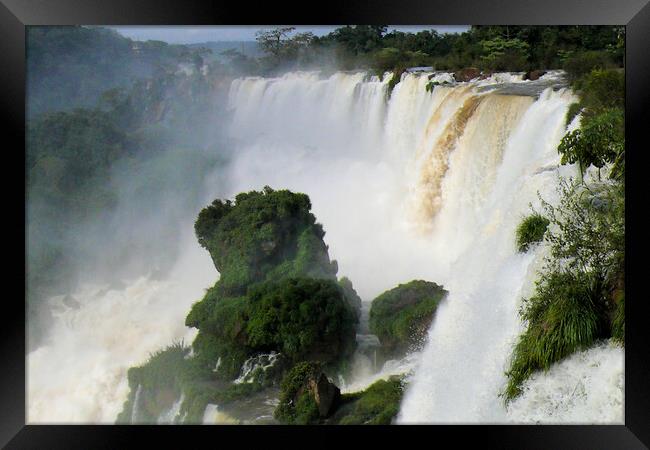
(195, 34)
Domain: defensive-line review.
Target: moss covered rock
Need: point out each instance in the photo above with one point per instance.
(401, 316)
(377, 405)
(263, 236)
(278, 289)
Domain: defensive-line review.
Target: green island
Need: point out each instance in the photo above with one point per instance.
(277, 317)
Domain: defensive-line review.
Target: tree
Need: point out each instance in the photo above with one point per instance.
(273, 41)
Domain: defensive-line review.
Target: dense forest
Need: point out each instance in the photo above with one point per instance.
(489, 48)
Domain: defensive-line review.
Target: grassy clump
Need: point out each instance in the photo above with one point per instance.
(377, 405)
(171, 372)
(161, 380)
(401, 316)
(530, 231)
(562, 318)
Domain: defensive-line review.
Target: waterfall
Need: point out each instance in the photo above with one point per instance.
(415, 185)
(135, 412)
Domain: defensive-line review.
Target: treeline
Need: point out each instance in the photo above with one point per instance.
(492, 48)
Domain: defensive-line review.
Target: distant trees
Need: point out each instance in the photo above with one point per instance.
(509, 48)
(280, 47)
(505, 54)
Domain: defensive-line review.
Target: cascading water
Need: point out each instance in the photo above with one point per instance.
(420, 185)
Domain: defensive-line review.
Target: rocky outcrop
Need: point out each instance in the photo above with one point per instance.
(277, 291)
(325, 393)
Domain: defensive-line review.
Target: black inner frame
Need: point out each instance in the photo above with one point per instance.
(635, 14)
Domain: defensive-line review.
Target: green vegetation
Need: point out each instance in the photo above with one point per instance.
(305, 387)
(401, 316)
(531, 230)
(580, 296)
(278, 292)
(304, 319)
(600, 140)
(562, 318)
(169, 373)
(509, 48)
(377, 405)
(263, 236)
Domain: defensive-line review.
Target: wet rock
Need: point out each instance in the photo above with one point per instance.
(467, 74)
(533, 75)
(325, 393)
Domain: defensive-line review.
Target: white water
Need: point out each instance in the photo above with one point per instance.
(424, 186)
(587, 387)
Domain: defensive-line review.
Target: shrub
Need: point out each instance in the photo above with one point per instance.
(401, 316)
(304, 319)
(530, 231)
(602, 89)
(599, 141)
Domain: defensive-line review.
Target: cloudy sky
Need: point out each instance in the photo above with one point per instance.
(193, 34)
